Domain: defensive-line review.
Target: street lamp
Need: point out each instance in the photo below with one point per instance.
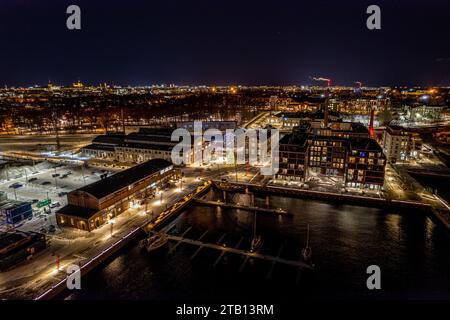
(82, 174)
(111, 223)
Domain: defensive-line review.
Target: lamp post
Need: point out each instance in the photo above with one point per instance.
(56, 181)
(111, 223)
(48, 204)
(82, 174)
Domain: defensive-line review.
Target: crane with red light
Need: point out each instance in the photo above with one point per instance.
(323, 79)
(327, 96)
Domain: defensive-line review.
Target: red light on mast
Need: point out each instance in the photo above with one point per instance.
(372, 114)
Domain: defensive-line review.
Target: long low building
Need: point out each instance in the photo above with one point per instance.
(95, 204)
(135, 147)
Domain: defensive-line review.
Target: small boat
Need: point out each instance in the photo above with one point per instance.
(143, 244)
(256, 244)
(307, 251)
(257, 240)
(156, 242)
(225, 186)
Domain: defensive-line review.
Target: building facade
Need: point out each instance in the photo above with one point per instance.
(398, 144)
(354, 160)
(135, 147)
(12, 211)
(365, 165)
(93, 205)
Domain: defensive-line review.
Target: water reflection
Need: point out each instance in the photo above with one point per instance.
(411, 250)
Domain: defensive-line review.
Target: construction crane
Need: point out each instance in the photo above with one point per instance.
(323, 79)
(327, 96)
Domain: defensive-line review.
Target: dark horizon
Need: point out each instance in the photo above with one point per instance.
(141, 43)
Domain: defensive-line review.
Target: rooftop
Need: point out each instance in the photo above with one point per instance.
(76, 211)
(294, 139)
(364, 144)
(148, 146)
(95, 146)
(124, 178)
(12, 204)
(8, 238)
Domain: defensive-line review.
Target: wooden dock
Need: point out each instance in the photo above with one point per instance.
(235, 250)
(241, 207)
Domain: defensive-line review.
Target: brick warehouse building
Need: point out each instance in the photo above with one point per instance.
(93, 205)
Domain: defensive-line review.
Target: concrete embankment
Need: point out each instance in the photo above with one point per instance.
(134, 234)
(92, 263)
(441, 214)
(332, 197)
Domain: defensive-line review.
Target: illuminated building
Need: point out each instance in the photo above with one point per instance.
(355, 160)
(398, 145)
(93, 205)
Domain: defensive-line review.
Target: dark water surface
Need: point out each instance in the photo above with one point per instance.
(411, 249)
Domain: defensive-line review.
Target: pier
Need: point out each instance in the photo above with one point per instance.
(224, 249)
(329, 196)
(177, 207)
(93, 262)
(241, 207)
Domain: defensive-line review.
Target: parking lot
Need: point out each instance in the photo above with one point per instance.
(36, 183)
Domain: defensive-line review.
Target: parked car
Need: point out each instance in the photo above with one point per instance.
(16, 185)
(51, 228)
(35, 201)
(55, 175)
(32, 179)
(46, 183)
(55, 205)
(62, 194)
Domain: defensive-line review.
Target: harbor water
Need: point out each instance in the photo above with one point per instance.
(411, 249)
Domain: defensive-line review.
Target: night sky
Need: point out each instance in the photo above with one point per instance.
(221, 42)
